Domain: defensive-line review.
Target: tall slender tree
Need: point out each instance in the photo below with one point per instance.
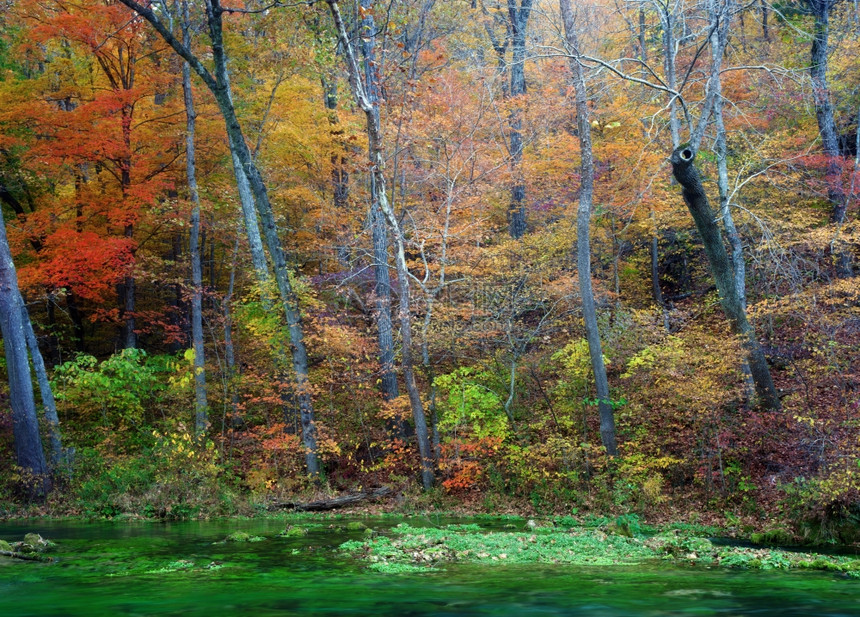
(201, 419)
(379, 231)
(519, 20)
(821, 96)
(583, 232)
(29, 454)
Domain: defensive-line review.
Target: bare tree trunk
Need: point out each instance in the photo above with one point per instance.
(824, 107)
(583, 235)
(656, 290)
(382, 288)
(519, 19)
(667, 16)
(201, 405)
(229, 348)
(687, 175)
(127, 304)
(29, 455)
(405, 316)
(339, 173)
(129, 287)
(720, 18)
(827, 123)
(48, 404)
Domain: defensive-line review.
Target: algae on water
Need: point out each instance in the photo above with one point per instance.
(411, 549)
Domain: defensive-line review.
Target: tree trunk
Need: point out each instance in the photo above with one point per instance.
(374, 135)
(583, 236)
(720, 18)
(827, 124)
(127, 304)
(687, 175)
(129, 287)
(48, 404)
(382, 288)
(201, 405)
(29, 455)
(519, 19)
(824, 108)
(229, 348)
(656, 290)
(77, 320)
(339, 173)
(667, 16)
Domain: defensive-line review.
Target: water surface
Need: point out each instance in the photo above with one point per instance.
(119, 569)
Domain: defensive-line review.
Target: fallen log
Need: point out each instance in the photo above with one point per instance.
(332, 504)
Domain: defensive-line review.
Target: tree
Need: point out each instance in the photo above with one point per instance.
(28, 444)
(687, 175)
(519, 20)
(583, 233)
(201, 419)
(821, 96)
(382, 288)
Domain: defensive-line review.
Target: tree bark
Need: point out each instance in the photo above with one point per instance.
(519, 19)
(382, 287)
(29, 455)
(720, 19)
(687, 175)
(229, 348)
(583, 235)
(201, 405)
(824, 108)
(49, 405)
(667, 16)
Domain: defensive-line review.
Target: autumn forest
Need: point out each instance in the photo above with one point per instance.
(550, 256)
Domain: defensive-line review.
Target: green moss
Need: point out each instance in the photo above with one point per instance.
(396, 568)
(294, 531)
(773, 537)
(242, 536)
(356, 526)
(182, 565)
(5, 546)
(411, 549)
(431, 546)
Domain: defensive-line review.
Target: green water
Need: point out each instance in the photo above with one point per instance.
(110, 569)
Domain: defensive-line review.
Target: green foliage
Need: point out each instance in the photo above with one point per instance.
(121, 391)
(467, 403)
(103, 481)
(574, 362)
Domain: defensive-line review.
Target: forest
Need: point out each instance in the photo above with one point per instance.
(534, 256)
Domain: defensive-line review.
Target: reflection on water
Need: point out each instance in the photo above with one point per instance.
(143, 569)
